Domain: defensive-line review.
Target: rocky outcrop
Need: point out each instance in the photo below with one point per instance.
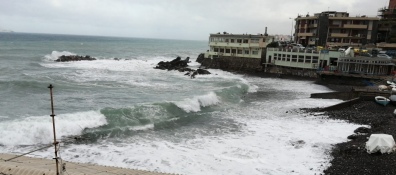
(181, 66)
(199, 72)
(64, 58)
(175, 64)
(200, 58)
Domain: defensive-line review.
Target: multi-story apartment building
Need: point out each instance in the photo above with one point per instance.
(387, 25)
(335, 28)
(238, 45)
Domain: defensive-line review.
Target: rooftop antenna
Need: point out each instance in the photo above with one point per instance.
(53, 127)
(265, 34)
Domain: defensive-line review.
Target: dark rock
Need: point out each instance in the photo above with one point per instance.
(181, 66)
(64, 58)
(353, 137)
(202, 71)
(175, 64)
(200, 58)
(362, 130)
(185, 69)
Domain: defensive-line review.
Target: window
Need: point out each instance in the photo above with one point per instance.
(255, 40)
(254, 52)
(308, 59)
(227, 40)
(239, 51)
(315, 60)
(216, 49)
(227, 50)
(288, 57)
(233, 40)
(247, 52)
(245, 41)
(301, 58)
(239, 40)
(221, 50)
(233, 51)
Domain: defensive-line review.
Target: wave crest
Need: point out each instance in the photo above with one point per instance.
(55, 54)
(38, 130)
(195, 104)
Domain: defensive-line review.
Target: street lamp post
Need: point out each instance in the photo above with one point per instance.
(291, 31)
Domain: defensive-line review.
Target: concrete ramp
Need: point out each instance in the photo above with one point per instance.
(38, 166)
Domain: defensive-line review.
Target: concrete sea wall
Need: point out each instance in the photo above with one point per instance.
(252, 65)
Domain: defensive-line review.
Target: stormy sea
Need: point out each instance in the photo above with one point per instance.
(127, 114)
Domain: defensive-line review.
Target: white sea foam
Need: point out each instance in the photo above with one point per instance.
(141, 128)
(265, 146)
(38, 129)
(56, 54)
(270, 141)
(195, 104)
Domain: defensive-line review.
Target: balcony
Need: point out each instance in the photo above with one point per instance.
(334, 26)
(228, 44)
(313, 25)
(338, 35)
(305, 34)
(355, 26)
(386, 45)
(213, 53)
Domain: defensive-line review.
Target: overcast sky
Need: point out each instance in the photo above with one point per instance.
(170, 19)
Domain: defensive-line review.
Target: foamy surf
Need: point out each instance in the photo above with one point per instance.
(56, 54)
(38, 129)
(194, 104)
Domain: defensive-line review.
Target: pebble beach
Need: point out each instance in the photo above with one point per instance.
(351, 158)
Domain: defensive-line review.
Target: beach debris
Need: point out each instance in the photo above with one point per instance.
(65, 58)
(383, 88)
(380, 142)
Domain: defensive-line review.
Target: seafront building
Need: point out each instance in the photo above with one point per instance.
(325, 62)
(331, 28)
(387, 26)
(327, 31)
(238, 45)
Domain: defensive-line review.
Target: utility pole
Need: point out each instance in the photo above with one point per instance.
(291, 31)
(53, 127)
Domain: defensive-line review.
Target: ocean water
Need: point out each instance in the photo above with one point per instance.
(131, 115)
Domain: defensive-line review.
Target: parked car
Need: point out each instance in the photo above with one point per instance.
(382, 55)
(298, 46)
(365, 54)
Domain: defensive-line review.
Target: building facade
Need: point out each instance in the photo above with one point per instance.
(332, 28)
(237, 45)
(387, 26)
(326, 62)
(294, 58)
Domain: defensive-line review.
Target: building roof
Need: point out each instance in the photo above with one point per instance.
(228, 35)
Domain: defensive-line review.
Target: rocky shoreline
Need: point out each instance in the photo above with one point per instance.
(351, 157)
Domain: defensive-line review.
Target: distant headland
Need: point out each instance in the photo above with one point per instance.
(6, 31)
